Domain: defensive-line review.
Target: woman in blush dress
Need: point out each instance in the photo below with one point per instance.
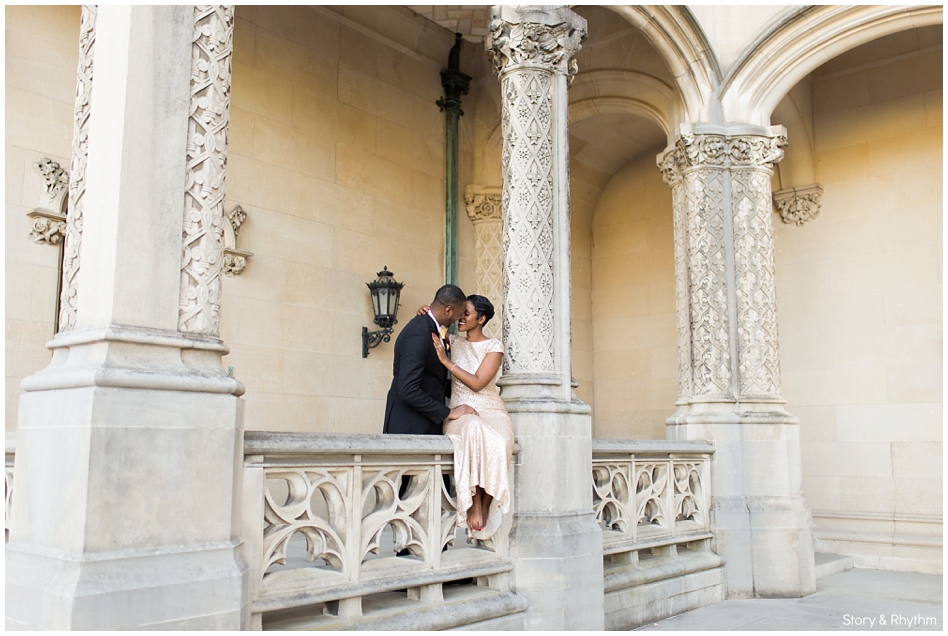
(483, 443)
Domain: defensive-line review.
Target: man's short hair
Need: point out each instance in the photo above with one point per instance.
(450, 295)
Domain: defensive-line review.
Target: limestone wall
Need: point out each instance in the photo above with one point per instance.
(337, 155)
(42, 52)
(633, 300)
(860, 304)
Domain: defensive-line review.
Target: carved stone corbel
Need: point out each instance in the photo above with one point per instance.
(799, 205)
(49, 217)
(235, 260)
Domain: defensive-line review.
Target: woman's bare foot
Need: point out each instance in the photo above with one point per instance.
(475, 514)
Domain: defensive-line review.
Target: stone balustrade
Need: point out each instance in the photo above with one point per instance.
(324, 517)
(653, 501)
(323, 520)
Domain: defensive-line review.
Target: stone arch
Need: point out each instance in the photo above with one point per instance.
(675, 34)
(616, 91)
(801, 42)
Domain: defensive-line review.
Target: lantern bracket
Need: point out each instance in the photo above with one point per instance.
(385, 292)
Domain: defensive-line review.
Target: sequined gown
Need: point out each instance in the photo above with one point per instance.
(483, 444)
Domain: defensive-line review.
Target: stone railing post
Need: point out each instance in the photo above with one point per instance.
(729, 364)
(555, 543)
(128, 443)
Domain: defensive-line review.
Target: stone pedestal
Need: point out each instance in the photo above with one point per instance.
(129, 443)
(729, 366)
(555, 541)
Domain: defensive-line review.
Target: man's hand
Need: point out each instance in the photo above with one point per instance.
(460, 411)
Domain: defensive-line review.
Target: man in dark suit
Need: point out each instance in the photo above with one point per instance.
(416, 401)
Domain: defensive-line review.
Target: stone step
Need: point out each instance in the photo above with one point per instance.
(830, 564)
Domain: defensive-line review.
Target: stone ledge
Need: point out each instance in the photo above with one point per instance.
(659, 569)
(278, 443)
(634, 446)
(464, 607)
(398, 580)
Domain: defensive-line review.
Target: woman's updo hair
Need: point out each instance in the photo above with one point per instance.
(482, 306)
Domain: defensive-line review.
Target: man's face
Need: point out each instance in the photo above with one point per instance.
(452, 313)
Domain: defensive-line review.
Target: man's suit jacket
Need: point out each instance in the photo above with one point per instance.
(415, 402)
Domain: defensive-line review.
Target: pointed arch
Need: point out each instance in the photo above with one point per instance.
(683, 46)
(803, 41)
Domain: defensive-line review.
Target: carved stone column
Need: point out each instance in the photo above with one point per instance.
(729, 364)
(555, 542)
(485, 211)
(128, 443)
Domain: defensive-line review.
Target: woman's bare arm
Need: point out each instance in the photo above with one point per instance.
(474, 381)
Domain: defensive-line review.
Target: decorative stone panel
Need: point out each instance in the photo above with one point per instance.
(203, 231)
(235, 260)
(486, 212)
(72, 241)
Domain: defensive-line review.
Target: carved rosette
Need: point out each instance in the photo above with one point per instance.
(528, 49)
(707, 226)
(72, 241)
(799, 205)
(485, 211)
(203, 231)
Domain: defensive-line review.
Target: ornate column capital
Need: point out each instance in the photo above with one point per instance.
(484, 204)
(799, 205)
(722, 150)
(536, 37)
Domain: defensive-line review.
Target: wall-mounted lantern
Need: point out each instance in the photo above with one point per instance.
(385, 291)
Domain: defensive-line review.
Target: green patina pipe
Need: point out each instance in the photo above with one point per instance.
(455, 84)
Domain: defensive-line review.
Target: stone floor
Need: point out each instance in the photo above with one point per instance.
(852, 600)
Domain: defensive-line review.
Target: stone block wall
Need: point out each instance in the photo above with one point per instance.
(860, 306)
(634, 333)
(337, 155)
(42, 52)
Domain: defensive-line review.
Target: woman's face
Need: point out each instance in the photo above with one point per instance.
(468, 319)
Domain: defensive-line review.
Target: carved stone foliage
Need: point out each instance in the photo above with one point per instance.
(485, 210)
(203, 231)
(702, 169)
(235, 260)
(49, 220)
(799, 205)
(707, 260)
(483, 206)
(55, 185)
(671, 173)
(759, 363)
(72, 242)
(515, 41)
(649, 497)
